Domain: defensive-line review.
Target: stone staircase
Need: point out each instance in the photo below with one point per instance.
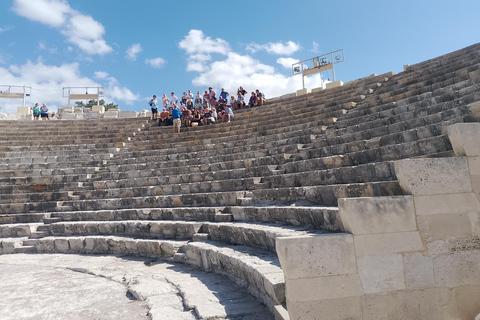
(218, 197)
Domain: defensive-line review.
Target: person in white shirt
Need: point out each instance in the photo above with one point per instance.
(173, 99)
(189, 99)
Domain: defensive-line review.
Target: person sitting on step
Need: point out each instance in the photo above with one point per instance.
(227, 113)
(260, 98)
(163, 117)
(253, 100)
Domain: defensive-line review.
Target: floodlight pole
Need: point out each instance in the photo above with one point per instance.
(303, 77)
(24, 96)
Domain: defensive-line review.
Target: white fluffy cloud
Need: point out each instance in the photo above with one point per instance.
(233, 69)
(133, 51)
(100, 75)
(48, 81)
(280, 48)
(200, 47)
(287, 62)
(197, 42)
(156, 62)
(243, 70)
(113, 91)
(79, 29)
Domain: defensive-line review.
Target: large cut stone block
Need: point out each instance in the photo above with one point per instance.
(464, 139)
(474, 166)
(24, 110)
(457, 269)
(418, 271)
(387, 243)
(311, 289)
(98, 108)
(316, 255)
(442, 226)
(377, 215)
(332, 309)
(433, 176)
(127, 114)
(456, 203)
(382, 273)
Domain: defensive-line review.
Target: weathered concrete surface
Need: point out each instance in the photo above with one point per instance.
(78, 287)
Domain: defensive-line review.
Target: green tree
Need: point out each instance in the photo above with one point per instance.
(91, 103)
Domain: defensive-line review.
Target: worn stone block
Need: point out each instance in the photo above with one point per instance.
(311, 289)
(44, 245)
(464, 139)
(457, 269)
(418, 271)
(387, 243)
(456, 203)
(433, 176)
(441, 226)
(381, 273)
(61, 245)
(316, 255)
(377, 215)
(392, 306)
(332, 309)
(76, 244)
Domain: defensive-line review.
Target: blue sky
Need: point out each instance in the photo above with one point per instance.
(137, 49)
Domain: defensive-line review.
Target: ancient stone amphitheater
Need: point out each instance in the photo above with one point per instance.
(356, 202)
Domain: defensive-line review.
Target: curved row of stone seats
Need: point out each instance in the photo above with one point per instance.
(258, 270)
(315, 217)
(54, 133)
(223, 256)
(437, 150)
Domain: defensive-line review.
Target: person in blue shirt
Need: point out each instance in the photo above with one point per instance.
(227, 113)
(176, 114)
(224, 95)
(44, 112)
(154, 105)
(36, 111)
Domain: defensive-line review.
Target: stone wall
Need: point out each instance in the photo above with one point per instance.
(403, 257)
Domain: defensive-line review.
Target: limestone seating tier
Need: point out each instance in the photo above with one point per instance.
(258, 270)
(230, 198)
(324, 218)
(373, 112)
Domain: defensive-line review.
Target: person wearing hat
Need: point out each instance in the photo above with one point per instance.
(154, 106)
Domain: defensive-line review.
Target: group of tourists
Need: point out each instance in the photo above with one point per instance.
(41, 112)
(204, 109)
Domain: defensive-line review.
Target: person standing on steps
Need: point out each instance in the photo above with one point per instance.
(176, 114)
(36, 111)
(44, 112)
(154, 106)
(173, 99)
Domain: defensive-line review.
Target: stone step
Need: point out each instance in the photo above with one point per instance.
(19, 198)
(319, 195)
(51, 220)
(25, 249)
(256, 269)
(181, 213)
(22, 218)
(259, 235)
(39, 234)
(17, 230)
